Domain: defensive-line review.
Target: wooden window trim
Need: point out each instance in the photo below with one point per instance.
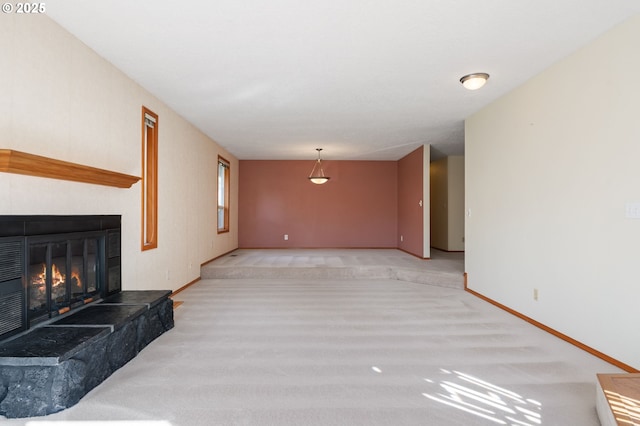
(149, 181)
(226, 189)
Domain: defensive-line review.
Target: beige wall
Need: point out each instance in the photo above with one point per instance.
(455, 173)
(59, 99)
(426, 196)
(447, 203)
(549, 170)
(438, 204)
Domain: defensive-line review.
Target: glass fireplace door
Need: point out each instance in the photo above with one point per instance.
(64, 273)
(77, 278)
(85, 269)
(93, 266)
(37, 281)
(60, 294)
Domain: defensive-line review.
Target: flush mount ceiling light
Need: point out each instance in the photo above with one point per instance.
(317, 174)
(474, 81)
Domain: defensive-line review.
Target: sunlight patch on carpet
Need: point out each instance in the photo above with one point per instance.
(483, 399)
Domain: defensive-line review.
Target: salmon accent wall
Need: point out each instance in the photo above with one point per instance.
(410, 213)
(358, 207)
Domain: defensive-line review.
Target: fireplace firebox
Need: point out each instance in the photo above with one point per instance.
(50, 265)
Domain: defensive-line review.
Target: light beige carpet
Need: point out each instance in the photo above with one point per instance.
(344, 352)
(443, 269)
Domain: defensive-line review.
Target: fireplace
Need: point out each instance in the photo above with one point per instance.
(51, 265)
(65, 323)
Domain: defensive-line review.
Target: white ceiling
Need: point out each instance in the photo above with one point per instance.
(363, 79)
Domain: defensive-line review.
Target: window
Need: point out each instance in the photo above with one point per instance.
(223, 195)
(149, 179)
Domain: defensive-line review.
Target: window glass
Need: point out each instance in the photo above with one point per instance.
(149, 179)
(223, 195)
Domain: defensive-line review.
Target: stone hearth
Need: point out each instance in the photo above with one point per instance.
(51, 367)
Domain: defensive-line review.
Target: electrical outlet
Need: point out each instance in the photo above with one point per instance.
(535, 294)
(401, 238)
(286, 237)
(168, 275)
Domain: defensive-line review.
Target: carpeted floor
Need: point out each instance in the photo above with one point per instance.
(301, 351)
(443, 269)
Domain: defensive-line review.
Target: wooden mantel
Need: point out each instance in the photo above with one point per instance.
(34, 165)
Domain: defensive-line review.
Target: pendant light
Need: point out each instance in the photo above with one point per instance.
(317, 174)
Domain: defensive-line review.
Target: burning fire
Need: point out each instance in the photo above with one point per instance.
(57, 278)
(76, 280)
(38, 288)
(58, 284)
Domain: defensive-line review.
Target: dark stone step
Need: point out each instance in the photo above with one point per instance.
(113, 316)
(141, 297)
(49, 345)
(52, 367)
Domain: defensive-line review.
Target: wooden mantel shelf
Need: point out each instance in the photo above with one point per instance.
(34, 165)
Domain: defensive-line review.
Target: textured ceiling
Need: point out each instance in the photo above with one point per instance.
(363, 79)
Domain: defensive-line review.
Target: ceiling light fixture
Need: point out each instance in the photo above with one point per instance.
(474, 81)
(317, 174)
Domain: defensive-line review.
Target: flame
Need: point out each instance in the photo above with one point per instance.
(76, 280)
(40, 277)
(57, 277)
(58, 282)
(38, 287)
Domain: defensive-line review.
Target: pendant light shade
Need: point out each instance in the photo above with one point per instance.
(317, 174)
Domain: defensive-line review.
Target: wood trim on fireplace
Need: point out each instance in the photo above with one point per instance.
(34, 165)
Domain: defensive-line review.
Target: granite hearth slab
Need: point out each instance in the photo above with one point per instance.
(49, 345)
(53, 366)
(141, 297)
(103, 315)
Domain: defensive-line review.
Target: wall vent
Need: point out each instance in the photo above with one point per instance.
(11, 253)
(11, 302)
